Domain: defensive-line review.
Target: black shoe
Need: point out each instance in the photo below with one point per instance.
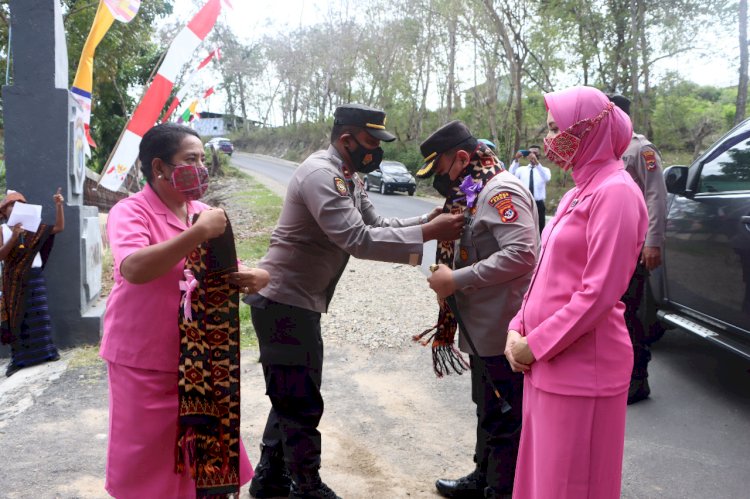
(12, 369)
(315, 490)
(639, 390)
(469, 487)
(272, 478)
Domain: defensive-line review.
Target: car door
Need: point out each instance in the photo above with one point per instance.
(707, 250)
(374, 178)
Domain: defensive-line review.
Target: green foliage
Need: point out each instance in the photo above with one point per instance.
(294, 142)
(688, 116)
(124, 61)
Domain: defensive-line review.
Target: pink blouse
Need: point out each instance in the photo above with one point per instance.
(572, 315)
(140, 325)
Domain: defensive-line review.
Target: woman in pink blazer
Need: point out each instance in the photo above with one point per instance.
(150, 234)
(569, 338)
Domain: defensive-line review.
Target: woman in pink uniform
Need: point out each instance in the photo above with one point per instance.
(569, 338)
(150, 234)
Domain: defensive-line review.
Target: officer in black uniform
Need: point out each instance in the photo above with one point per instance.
(643, 162)
(326, 217)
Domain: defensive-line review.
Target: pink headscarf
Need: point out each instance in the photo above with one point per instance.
(606, 141)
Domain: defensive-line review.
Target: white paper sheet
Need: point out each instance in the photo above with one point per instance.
(28, 215)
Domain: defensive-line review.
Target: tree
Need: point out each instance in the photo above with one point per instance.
(686, 115)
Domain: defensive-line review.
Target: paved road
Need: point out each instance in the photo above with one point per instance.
(692, 438)
(389, 205)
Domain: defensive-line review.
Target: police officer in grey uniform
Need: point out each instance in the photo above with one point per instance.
(326, 217)
(643, 162)
(494, 261)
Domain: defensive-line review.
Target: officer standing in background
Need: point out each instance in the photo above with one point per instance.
(534, 176)
(493, 264)
(643, 162)
(326, 217)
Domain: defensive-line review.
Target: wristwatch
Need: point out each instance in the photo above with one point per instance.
(424, 219)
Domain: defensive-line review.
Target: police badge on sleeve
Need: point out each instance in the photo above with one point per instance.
(340, 185)
(503, 203)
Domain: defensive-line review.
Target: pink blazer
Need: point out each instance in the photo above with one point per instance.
(572, 315)
(140, 325)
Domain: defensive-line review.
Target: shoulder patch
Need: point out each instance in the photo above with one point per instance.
(503, 203)
(649, 157)
(340, 186)
(500, 196)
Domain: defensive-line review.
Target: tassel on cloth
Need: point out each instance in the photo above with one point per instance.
(445, 356)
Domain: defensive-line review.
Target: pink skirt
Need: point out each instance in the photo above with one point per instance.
(571, 447)
(143, 436)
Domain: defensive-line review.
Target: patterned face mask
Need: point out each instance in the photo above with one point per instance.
(190, 180)
(562, 148)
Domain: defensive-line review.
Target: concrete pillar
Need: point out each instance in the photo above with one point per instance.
(41, 156)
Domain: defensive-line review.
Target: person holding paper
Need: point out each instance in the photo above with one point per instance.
(24, 248)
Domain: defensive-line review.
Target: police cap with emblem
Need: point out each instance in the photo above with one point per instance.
(444, 139)
(620, 101)
(370, 119)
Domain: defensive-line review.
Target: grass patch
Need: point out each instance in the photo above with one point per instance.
(253, 248)
(265, 207)
(264, 204)
(86, 356)
(247, 331)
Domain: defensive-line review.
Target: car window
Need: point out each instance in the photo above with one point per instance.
(729, 171)
(393, 168)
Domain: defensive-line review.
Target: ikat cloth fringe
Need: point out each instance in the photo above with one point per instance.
(208, 438)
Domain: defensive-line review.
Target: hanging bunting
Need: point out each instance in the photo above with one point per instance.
(147, 112)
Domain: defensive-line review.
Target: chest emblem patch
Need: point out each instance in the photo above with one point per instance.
(340, 186)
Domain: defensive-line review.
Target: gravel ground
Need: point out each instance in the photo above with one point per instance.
(379, 305)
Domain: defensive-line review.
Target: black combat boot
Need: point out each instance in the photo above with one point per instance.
(639, 390)
(469, 487)
(272, 478)
(311, 487)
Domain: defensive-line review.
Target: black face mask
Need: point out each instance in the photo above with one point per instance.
(444, 185)
(365, 160)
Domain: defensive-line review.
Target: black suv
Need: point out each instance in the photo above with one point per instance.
(703, 285)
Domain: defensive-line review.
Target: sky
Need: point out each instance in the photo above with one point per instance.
(252, 19)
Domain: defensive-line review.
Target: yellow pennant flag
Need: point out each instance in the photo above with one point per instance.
(83, 84)
(84, 80)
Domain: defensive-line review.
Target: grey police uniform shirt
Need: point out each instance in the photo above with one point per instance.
(494, 261)
(324, 219)
(643, 162)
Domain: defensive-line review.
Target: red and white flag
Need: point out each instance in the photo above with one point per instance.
(147, 112)
(182, 92)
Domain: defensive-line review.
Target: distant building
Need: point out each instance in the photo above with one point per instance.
(218, 125)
